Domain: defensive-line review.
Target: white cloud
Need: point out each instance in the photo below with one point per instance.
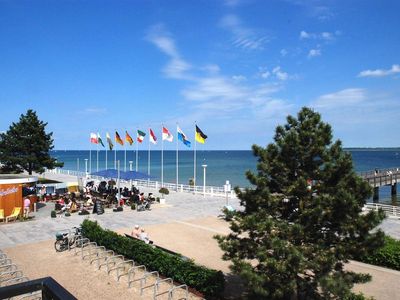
(346, 97)
(232, 3)
(314, 52)
(243, 37)
(239, 78)
(212, 68)
(284, 52)
(325, 36)
(176, 67)
(280, 74)
(380, 72)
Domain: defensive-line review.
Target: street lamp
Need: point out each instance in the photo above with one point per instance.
(86, 170)
(118, 185)
(130, 165)
(204, 179)
(77, 164)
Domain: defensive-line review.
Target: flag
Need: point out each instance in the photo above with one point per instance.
(200, 136)
(140, 136)
(118, 139)
(166, 135)
(99, 139)
(110, 144)
(93, 138)
(152, 137)
(128, 138)
(182, 137)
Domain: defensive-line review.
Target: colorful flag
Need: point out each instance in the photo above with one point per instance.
(166, 135)
(93, 138)
(110, 144)
(152, 137)
(140, 136)
(182, 137)
(118, 139)
(200, 136)
(99, 139)
(128, 138)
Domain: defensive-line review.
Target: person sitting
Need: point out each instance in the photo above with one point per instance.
(144, 237)
(136, 232)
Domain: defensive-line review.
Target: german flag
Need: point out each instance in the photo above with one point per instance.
(118, 139)
(128, 138)
(200, 136)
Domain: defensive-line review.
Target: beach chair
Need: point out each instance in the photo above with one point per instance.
(14, 215)
(2, 215)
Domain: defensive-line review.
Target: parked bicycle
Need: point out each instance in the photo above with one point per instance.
(66, 240)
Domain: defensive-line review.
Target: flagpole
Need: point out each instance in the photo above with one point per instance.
(90, 160)
(177, 168)
(148, 156)
(97, 156)
(106, 159)
(115, 155)
(162, 156)
(137, 142)
(125, 157)
(194, 176)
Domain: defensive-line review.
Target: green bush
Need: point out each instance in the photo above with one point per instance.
(387, 256)
(53, 214)
(133, 206)
(207, 281)
(67, 214)
(164, 191)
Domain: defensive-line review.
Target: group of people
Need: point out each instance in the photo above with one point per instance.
(141, 234)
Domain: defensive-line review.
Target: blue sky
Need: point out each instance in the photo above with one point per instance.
(236, 67)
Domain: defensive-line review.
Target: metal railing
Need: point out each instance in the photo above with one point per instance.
(389, 210)
(217, 191)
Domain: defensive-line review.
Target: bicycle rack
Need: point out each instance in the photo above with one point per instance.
(37, 295)
(119, 266)
(14, 274)
(84, 242)
(16, 279)
(157, 286)
(144, 278)
(95, 250)
(132, 271)
(104, 256)
(9, 267)
(171, 291)
(113, 260)
(3, 255)
(87, 248)
(5, 261)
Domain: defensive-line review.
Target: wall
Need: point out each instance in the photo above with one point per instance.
(10, 197)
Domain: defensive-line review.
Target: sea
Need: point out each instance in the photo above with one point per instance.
(221, 166)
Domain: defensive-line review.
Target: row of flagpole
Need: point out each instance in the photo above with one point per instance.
(199, 137)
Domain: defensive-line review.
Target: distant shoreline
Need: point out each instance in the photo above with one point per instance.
(128, 149)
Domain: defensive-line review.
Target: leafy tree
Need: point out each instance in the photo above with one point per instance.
(302, 218)
(26, 146)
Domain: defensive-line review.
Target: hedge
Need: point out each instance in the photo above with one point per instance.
(386, 256)
(207, 281)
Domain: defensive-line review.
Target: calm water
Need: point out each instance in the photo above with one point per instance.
(221, 165)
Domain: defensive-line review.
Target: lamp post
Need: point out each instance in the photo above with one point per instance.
(118, 185)
(86, 170)
(204, 179)
(130, 165)
(77, 164)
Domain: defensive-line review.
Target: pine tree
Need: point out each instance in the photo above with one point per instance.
(301, 220)
(26, 146)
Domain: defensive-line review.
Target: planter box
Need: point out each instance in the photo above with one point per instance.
(162, 201)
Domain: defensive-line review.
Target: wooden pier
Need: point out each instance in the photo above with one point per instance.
(380, 178)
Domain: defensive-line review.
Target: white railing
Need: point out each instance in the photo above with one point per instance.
(182, 188)
(389, 210)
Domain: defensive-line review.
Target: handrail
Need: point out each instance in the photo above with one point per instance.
(388, 209)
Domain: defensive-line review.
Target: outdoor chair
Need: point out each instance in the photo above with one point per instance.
(2, 215)
(14, 215)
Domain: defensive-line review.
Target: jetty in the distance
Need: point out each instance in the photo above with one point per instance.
(378, 178)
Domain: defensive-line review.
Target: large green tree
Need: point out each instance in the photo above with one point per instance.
(26, 145)
(302, 219)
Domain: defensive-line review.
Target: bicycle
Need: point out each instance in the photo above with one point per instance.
(66, 240)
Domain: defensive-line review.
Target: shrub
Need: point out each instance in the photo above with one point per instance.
(133, 206)
(207, 281)
(164, 191)
(53, 214)
(386, 256)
